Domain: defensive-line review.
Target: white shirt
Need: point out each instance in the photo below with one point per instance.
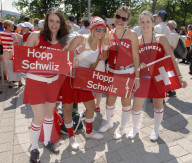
(75, 27)
(137, 29)
(174, 38)
(162, 28)
(84, 31)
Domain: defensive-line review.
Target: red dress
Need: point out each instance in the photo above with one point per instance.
(120, 57)
(147, 87)
(38, 92)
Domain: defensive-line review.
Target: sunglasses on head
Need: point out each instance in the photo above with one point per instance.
(122, 18)
(100, 29)
(54, 8)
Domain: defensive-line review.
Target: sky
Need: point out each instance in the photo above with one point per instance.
(7, 5)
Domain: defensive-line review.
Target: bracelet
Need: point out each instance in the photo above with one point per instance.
(77, 50)
(180, 76)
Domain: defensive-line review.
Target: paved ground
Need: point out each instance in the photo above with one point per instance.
(174, 145)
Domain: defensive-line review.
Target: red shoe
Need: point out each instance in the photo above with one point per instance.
(97, 109)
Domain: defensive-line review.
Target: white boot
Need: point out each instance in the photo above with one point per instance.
(73, 143)
(158, 116)
(126, 113)
(135, 121)
(109, 124)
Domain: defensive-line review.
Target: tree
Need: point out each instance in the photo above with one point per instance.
(36, 8)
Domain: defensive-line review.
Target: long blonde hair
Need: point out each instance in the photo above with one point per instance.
(102, 41)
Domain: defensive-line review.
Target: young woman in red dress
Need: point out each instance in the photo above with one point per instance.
(41, 90)
(147, 87)
(123, 60)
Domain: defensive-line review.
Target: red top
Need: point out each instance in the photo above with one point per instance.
(25, 36)
(122, 54)
(47, 45)
(157, 52)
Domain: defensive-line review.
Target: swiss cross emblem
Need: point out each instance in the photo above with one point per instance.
(164, 75)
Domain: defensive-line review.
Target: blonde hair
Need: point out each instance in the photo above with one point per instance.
(90, 37)
(7, 23)
(125, 9)
(146, 13)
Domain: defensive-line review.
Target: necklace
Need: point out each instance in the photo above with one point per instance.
(117, 47)
(148, 55)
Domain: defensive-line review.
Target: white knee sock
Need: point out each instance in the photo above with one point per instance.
(126, 113)
(47, 126)
(34, 134)
(135, 120)
(110, 113)
(158, 116)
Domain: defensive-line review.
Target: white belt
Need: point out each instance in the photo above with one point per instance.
(127, 71)
(42, 79)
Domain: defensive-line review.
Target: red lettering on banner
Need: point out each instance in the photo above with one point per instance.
(97, 81)
(34, 60)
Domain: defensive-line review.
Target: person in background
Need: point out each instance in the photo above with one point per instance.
(105, 19)
(26, 30)
(188, 41)
(174, 35)
(14, 26)
(182, 31)
(40, 24)
(85, 30)
(35, 23)
(8, 39)
(162, 28)
(81, 24)
(1, 27)
(72, 21)
(137, 30)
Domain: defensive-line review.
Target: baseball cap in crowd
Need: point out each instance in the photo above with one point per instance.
(97, 22)
(26, 24)
(71, 18)
(163, 14)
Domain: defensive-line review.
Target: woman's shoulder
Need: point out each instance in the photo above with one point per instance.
(131, 34)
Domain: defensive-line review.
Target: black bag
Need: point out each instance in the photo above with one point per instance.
(77, 122)
(189, 56)
(180, 51)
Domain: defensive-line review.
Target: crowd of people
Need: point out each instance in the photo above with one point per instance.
(93, 43)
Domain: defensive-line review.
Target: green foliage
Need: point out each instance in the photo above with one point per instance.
(178, 10)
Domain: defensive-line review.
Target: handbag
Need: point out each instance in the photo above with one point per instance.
(77, 122)
(180, 51)
(56, 130)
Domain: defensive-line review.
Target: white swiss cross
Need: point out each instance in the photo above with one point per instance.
(69, 63)
(164, 75)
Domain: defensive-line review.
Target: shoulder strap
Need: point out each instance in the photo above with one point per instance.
(117, 40)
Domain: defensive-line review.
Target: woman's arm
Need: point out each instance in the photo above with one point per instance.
(168, 50)
(33, 39)
(76, 42)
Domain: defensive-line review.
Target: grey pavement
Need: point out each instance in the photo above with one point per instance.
(173, 146)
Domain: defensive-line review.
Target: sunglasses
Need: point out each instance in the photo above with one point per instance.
(100, 29)
(122, 18)
(54, 8)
